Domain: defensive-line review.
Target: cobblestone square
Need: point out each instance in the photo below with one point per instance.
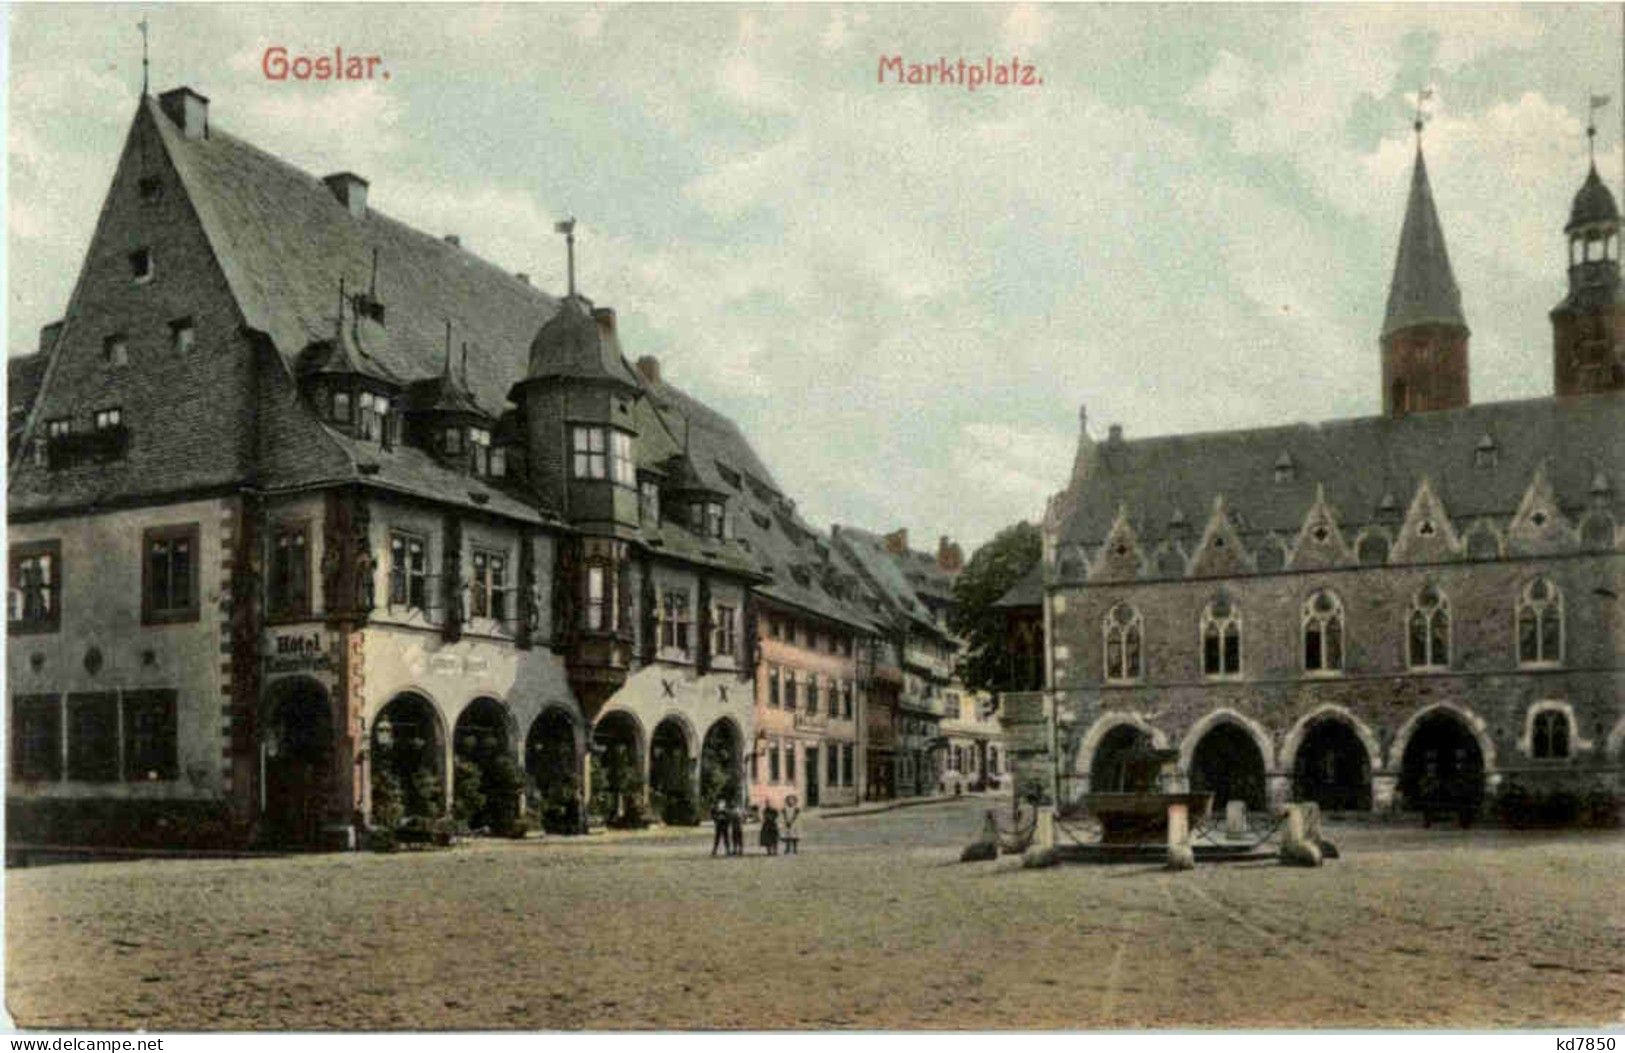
(875, 925)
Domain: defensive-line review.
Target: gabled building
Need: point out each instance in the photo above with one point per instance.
(1416, 609)
(307, 506)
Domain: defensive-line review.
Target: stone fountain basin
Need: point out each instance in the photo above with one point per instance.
(1142, 818)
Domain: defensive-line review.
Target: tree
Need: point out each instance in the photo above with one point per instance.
(996, 566)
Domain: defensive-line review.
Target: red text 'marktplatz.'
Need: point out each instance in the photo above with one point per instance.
(959, 73)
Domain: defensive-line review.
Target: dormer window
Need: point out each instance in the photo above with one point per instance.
(110, 418)
(372, 416)
(141, 266)
(621, 468)
(706, 518)
(451, 441)
(587, 447)
(182, 335)
(1484, 454)
(116, 350)
(490, 461)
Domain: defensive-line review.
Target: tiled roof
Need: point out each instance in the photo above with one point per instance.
(886, 574)
(1363, 463)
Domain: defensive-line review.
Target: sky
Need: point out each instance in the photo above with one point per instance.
(904, 293)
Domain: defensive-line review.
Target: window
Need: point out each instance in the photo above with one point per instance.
(107, 419)
(993, 760)
(847, 700)
(1323, 633)
(451, 441)
(588, 447)
(790, 689)
(1372, 549)
(479, 441)
(649, 502)
(56, 429)
(1540, 623)
(290, 571)
(408, 579)
(490, 598)
(775, 628)
(773, 763)
(621, 468)
(674, 623)
(846, 764)
(1551, 735)
(116, 350)
(834, 698)
(790, 764)
(1123, 630)
(93, 738)
(812, 693)
(182, 335)
(34, 588)
(372, 416)
(714, 521)
(1221, 639)
(595, 612)
(722, 631)
(170, 586)
(149, 736)
(1429, 630)
(773, 698)
(36, 738)
(339, 408)
(141, 265)
(832, 764)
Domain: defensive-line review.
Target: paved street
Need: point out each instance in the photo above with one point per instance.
(874, 926)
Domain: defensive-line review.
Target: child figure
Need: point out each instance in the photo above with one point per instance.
(788, 831)
(770, 830)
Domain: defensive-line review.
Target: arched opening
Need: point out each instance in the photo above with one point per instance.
(670, 766)
(1332, 767)
(617, 770)
(554, 771)
(408, 766)
(1443, 768)
(486, 785)
(298, 754)
(1227, 763)
(720, 760)
(1114, 769)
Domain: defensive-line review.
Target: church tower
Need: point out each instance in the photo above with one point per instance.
(1424, 334)
(1587, 327)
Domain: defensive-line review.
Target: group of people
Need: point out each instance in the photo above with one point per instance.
(777, 827)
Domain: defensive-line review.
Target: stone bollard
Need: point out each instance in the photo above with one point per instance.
(1296, 849)
(1235, 819)
(1180, 854)
(1044, 832)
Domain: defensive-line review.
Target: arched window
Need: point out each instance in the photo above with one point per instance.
(1430, 630)
(1540, 623)
(1551, 734)
(1124, 631)
(1221, 639)
(1323, 632)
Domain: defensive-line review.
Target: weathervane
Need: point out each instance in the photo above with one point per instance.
(142, 25)
(1597, 102)
(567, 227)
(1422, 95)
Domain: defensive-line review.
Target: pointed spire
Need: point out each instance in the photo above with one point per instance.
(1423, 291)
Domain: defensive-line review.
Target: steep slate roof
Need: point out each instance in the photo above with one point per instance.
(1359, 461)
(285, 242)
(1424, 288)
(1028, 591)
(770, 537)
(887, 576)
(1593, 203)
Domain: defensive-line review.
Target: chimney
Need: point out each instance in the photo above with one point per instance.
(189, 111)
(1114, 435)
(454, 241)
(950, 557)
(48, 335)
(351, 190)
(897, 541)
(605, 316)
(649, 367)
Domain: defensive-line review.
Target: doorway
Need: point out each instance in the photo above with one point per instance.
(297, 752)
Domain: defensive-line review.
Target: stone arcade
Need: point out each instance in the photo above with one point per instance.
(1410, 610)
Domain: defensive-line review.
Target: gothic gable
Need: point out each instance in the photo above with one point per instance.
(1539, 526)
(1427, 535)
(1319, 542)
(1220, 552)
(1120, 558)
